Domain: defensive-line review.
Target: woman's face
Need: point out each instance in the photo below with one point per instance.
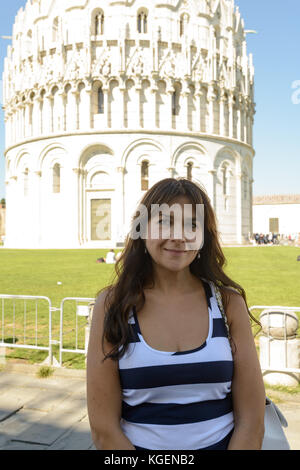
(174, 238)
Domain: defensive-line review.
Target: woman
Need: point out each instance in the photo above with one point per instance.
(161, 373)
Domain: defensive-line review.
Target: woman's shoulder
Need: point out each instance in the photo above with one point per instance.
(234, 303)
(101, 300)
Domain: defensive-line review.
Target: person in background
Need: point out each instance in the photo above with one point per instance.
(110, 257)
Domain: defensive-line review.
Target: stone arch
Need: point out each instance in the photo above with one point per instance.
(133, 156)
(226, 165)
(21, 159)
(191, 152)
(138, 143)
(187, 146)
(93, 149)
(55, 158)
(228, 154)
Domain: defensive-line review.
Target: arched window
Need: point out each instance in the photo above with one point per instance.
(189, 171)
(99, 23)
(100, 102)
(145, 175)
(142, 22)
(183, 23)
(55, 29)
(56, 178)
(26, 178)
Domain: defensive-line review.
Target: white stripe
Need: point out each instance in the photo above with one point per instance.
(180, 394)
(137, 355)
(181, 437)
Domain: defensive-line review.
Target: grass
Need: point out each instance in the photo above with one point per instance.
(44, 372)
(269, 275)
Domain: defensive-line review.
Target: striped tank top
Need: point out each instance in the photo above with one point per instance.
(178, 400)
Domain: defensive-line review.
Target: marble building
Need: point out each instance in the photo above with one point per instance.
(104, 98)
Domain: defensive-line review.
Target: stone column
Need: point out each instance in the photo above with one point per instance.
(38, 115)
(88, 106)
(122, 107)
(169, 118)
(239, 177)
(222, 116)
(82, 187)
(73, 96)
(230, 116)
(118, 223)
(172, 171)
(211, 187)
(154, 109)
(77, 216)
(60, 127)
(198, 94)
(105, 90)
(35, 116)
(37, 209)
(138, 105)
(26, 124)
(48, 114)
(185, 106)
(211, 99)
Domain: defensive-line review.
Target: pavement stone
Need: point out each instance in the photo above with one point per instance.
(43, 414)
(51, 413)
(291, 412)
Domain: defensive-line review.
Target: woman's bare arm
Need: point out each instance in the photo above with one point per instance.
(248, 389)
(104, 396)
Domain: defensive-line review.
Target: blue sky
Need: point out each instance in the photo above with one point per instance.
(277, 66)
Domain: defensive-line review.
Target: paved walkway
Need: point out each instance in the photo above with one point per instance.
(43, 414)
(51, 413)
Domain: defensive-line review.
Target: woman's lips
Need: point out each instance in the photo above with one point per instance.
(176, 252)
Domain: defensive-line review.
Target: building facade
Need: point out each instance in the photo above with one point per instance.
(103, 99)
(277, 214)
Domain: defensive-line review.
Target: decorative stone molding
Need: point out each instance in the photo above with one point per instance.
(277, 199)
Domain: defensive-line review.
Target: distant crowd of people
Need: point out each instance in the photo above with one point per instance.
(274, 238)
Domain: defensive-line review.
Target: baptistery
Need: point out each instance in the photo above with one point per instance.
(103, 98)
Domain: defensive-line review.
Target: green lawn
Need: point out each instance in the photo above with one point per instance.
(269, 275)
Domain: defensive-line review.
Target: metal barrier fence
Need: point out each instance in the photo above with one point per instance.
(20, 328)
(80, 314)
(19, 323)
(276, 308)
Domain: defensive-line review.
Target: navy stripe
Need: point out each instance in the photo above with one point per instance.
(176, 374)
(179, 353)
(173, 413)
(137, 325)
(133, 333)
(219, 328)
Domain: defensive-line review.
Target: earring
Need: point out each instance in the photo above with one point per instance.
(198, 255)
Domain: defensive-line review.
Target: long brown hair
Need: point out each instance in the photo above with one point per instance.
(133, 270)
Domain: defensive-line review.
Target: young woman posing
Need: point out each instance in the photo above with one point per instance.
(161, 371)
